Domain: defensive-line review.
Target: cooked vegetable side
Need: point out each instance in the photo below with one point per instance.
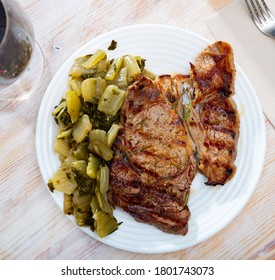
(88, 123)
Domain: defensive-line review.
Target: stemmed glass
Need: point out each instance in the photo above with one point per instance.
(21, 58)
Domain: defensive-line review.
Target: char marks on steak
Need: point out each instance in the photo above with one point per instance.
(214, 123)
(154, 166)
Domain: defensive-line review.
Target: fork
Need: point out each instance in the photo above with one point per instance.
(262, 17)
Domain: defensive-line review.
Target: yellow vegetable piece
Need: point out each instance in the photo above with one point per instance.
(81, 152)
(94, 205)
(93, 166)
(78, 71)
(104, 179)
(73, 105)
(98, 135)
(63, 181)
(61, 147)
(111, 100)
(112, 134)
(100, 149)
(82, 128)
(94, 59)
(68, 207)
(75, 85)
(106, 224)
(80, 166)
(132, 66)
(80, 217)
(114, 69)
(92, 88)
(82, 201)
(64, 134)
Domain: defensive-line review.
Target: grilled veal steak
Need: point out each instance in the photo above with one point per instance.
(214, 124)
(154, 165)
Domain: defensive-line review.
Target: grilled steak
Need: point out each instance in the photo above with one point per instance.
(154, 165)
(214, 124)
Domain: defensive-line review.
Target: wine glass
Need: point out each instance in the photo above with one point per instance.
(21, 58)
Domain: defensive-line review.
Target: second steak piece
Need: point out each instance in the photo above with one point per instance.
(215, 124)
(154, 166)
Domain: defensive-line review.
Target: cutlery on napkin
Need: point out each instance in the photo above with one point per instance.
(254, 52)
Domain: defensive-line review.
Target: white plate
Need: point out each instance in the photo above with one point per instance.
(167, 50)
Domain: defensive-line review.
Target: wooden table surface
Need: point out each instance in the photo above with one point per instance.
(32, 226)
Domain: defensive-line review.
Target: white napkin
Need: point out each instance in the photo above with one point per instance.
(254, 52)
